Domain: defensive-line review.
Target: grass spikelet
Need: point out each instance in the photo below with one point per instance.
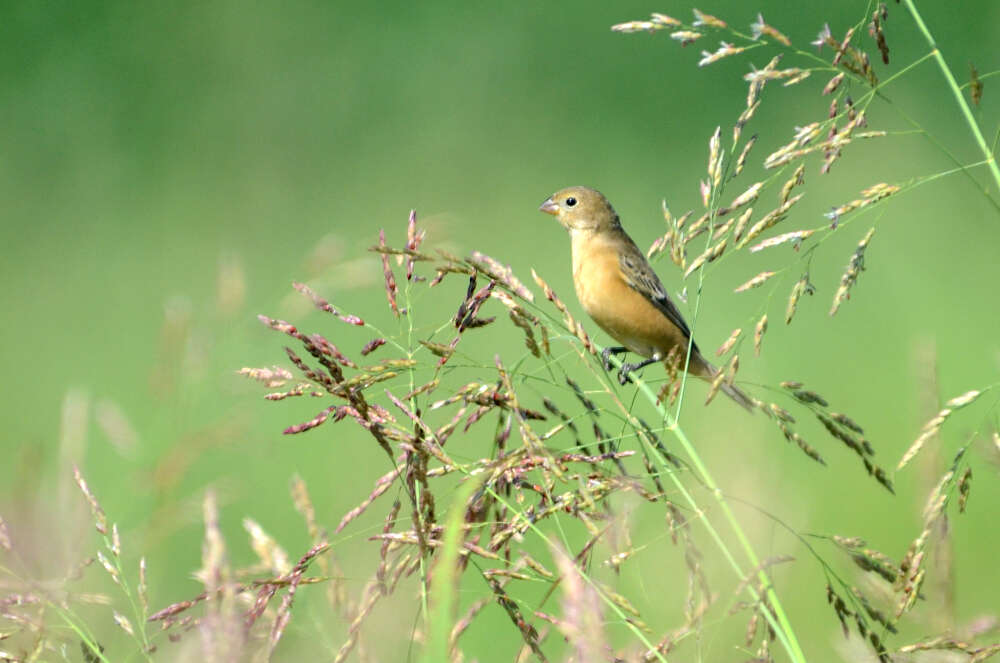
(696, 228)
(731, 368)
(271, 378)
(796, 148)
(716, 385)
(522, 322)
(792, 75)
(755, 282)
(371, 346)
(770, 219)
(272, 556)
(629, 27)
(745, 198)
(876, 562)
(724, 50)
(110, 568)
(705, 188)
(847, 422)
(854, 268)
(382, 484)
(758, 334)
(876, 30)
(724, 228)
(796, 236)
(759, 28)
(870, 196)
(390, 279)
(501, 273)
(964, 486)
(932, 427)
(100, 519)
(703, 19)
(142, 589)
(965, 399)
(741, 224)
(730, 342)
(824, 38)
(807, 397)
(715, 157)
(685, 37)
(753, 100)
(795, 180)
(975, 85)
(439, 349)
(802, 286)
(842, 47)
(322, 305)
(123, 622)
(528, 632)
(833, 84)
(911, 569)
(782, 420)
(664, 20)
(413, 241)
(796, 76)
(316, 421)
(741, 160)
(710, 254)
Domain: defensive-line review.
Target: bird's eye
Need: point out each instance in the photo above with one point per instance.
(570, 202)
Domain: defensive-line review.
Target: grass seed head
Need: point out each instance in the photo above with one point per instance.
(964, 485)
(741, 160)
(685, 37)
(758, 334)
(715, 158)
(741, 224)
(855, 266)
(834, 83)
(724, 50)
(759, 28)
(975, 85)
(755, 282)
(730, 342)
(802, 286)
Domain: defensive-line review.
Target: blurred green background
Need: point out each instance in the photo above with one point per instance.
(168, 170)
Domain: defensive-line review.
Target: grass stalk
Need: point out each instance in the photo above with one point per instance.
(957, 91)
(783, 627)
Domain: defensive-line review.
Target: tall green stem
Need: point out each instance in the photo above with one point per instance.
(957, 91)
(785, 633)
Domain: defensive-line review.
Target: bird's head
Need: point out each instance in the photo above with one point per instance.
(580, 208)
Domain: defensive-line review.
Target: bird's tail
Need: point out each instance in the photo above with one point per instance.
(706, 371)
(739, 396)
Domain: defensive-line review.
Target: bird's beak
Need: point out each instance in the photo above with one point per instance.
(549, 207)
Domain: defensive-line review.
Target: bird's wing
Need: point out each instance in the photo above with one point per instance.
(641, 278)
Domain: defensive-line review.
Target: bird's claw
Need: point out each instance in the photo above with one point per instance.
(606, 354)
(606, 358)
(623, 373)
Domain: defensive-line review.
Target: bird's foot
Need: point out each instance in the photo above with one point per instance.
(626, 370)
(608, 352)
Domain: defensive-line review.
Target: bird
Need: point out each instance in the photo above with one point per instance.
(619, 290)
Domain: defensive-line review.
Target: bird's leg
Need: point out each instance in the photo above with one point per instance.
(608, 351)
(626, 369)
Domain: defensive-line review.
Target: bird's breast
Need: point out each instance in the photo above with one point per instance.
(623, 312)
(607, 298)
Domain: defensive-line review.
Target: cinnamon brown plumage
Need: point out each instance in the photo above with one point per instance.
(619, 289)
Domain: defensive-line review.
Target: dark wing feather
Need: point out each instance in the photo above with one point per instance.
(641, 278)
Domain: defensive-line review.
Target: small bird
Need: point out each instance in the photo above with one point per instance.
(618, 289)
